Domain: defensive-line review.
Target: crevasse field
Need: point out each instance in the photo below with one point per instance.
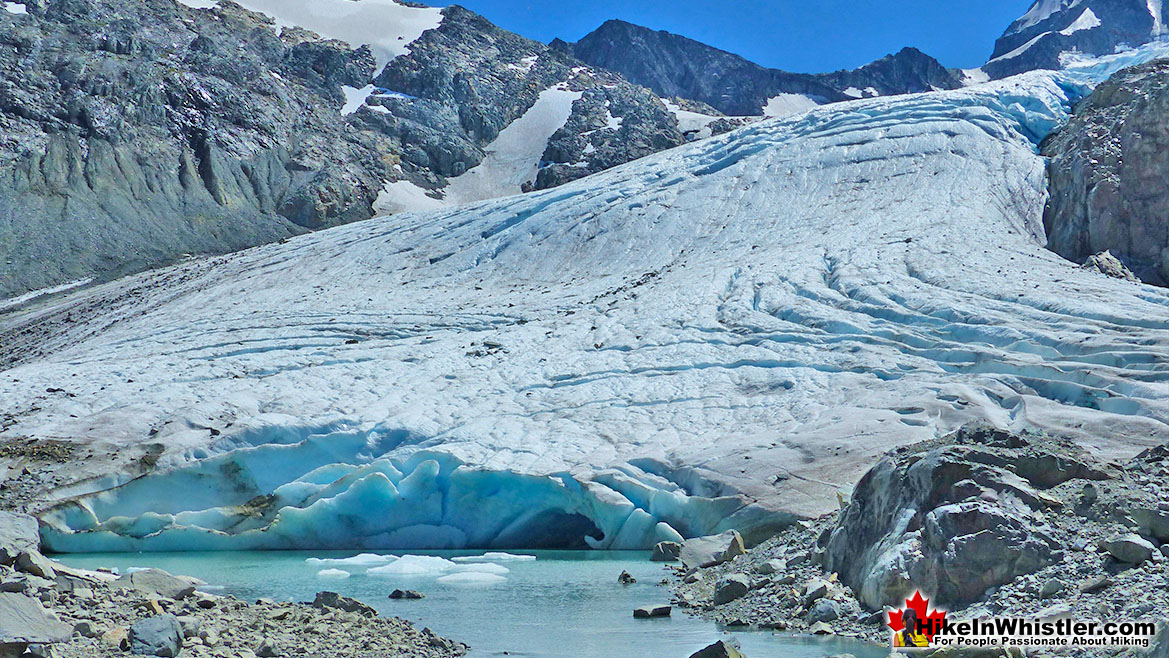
(720, 336)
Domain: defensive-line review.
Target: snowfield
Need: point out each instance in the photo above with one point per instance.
(722, 335)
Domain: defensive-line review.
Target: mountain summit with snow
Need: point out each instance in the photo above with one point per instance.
(1053, 28)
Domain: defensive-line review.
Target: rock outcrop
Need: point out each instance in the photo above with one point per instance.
(953, 518)
(1107, 175)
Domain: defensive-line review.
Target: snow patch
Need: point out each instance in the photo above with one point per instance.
(200, 4)
(514, 157)
(1086, 21)
(1021, 49)
(29, 296)
(853, 92)
(1157, 11)
(974, 77)
(1041, 11)
(15, 8)
(404, 196)
(386, 26)
(355, 98)
(785, 105)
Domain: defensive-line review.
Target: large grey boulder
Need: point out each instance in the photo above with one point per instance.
(334, 600)
(23, 621)
(19, 533)
(666, 551)
(156, 583)
(953, 517)
(160, 635)
(1131, 549)
(730, 587)
(720, 649)
(702, 552)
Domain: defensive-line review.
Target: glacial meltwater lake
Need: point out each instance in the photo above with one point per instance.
(563, 604)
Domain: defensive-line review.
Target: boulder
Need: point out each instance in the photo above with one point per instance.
(1131, 549)
(824, 610)
(814, 590)
(19, 533)
(821, 628)
(720, 649)
(730, 587)
(954, 517)
(191, 626)
(156, 583)
(771, 567)
(23, 621)
(652, 611)
(1152, 522)
(334, 600)
(1093, 585)
(160, 635)
(666, 551)
(626, 578)
(407, 594)
(268, 649)
(710, 551)
(33, 563)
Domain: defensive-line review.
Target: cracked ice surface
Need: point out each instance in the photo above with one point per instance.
(722, 335)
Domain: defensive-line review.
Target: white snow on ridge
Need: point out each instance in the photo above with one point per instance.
(355, 98)
(29, 296)
(691, 122)
(1086, 21)
(721, 335)
(784, 105)
(1021, 49)
(15, 8)
(1041, 11)
(386, 26)
(1157, 11)
(974, 77)
(514, 157)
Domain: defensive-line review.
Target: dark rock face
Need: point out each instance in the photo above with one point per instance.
(675, 66)
(483, 78)
(1053, 27)
(136, 131)
(1107, 174)
(954, 517)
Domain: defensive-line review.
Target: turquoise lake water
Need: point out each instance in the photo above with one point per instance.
(562, 604)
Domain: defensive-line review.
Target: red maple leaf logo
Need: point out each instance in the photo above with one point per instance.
(931, 620)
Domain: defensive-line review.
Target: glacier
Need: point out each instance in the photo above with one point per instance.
(724, 335)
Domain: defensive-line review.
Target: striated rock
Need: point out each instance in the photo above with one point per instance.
(1131, 549)
(156, 583)
(160, 635)
(23, 621)
(953, 518)
(720, 649)
(1108, 204)
(666, 551)
(703, 552)
(730, 587)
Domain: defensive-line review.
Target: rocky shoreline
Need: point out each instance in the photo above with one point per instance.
(48, 610)
(995, 524)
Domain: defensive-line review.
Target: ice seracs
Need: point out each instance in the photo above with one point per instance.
(719, 336)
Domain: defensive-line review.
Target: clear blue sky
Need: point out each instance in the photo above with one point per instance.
(807, 36)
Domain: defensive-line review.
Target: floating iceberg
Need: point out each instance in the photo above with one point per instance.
(362, 560)
(471, 578)
(414, 565)
(494, 557)
(333, 574)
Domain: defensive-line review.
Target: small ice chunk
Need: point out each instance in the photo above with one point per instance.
(363, 560)
(414, 565)
(482, 567)
(471, 578)
(333, 574)
(495, 557)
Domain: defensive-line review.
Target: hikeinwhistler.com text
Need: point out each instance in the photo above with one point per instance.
(1024, 632)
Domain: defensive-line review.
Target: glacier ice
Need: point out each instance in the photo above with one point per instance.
(357, 561)
(723, 335)
(494, 557)
(333, 574)
(471, 578)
